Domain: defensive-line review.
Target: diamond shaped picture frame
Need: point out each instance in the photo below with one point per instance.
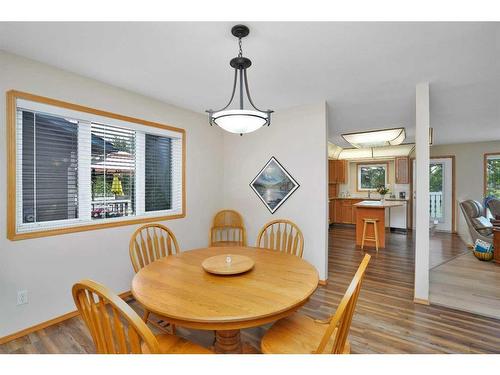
(273, 185)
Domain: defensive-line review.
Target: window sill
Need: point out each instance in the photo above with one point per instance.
(14, 236)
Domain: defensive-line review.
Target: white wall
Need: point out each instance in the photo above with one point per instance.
(298, 139)
(47, 267)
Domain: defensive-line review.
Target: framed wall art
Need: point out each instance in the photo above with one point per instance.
(273, 185)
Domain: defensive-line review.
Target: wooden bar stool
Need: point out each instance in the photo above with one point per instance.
(367, 221)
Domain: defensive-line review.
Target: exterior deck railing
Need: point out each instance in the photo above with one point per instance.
(436, 205)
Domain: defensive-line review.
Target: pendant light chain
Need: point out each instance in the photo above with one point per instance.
(240, 54)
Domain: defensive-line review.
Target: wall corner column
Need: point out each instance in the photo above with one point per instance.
(422, 123)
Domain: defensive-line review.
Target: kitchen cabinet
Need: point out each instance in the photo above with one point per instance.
(331, 211)
(402, 165)
(332, 190)
(338, 212)
(344, 212)
(337, 171)
(332, 172)
(341, 170)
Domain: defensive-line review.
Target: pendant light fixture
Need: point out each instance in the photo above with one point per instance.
(240, 120)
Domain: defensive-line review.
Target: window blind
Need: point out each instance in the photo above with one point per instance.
(73, 169)
(158, 157)
(50, 168)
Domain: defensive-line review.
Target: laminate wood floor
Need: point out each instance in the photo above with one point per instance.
(444, 247)
(386, 319)
(467, 283)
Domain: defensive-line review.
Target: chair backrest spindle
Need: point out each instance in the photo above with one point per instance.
(281, 235)
(151, 242)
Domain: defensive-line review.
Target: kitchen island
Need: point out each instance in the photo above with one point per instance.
(342, 211)
(373, 210)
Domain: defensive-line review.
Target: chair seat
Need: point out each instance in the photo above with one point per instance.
(170, 344)
(297, 334)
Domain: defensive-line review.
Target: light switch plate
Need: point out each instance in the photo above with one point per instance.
(22, 297)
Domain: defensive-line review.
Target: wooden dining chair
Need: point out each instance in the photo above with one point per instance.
(151, 242)
(227, 229)
(282, 235)
(117, 329)
(300, 334)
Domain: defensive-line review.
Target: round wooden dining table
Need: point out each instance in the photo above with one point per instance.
(178, 288)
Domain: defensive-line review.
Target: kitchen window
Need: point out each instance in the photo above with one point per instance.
(492, 175)
(371, 176)
(75, 168)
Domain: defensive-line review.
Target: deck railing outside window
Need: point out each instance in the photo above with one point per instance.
(436, 205)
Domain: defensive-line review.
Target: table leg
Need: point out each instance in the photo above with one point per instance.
(228, 342)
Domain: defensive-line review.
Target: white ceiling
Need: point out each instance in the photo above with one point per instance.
(366, 72)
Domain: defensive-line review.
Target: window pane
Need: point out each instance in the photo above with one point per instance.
(493, 177)
(112, 172)
(158, 174)
(371, 177)
(50, 168)
(436, 190)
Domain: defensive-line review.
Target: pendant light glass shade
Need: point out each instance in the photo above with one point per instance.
(240, 121)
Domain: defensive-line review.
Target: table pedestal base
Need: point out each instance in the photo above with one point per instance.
(228, 342)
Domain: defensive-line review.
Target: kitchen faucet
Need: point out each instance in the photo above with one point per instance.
(369, 192)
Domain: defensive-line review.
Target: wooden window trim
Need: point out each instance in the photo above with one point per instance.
(485, 161)
(358, 164)
(12, 96)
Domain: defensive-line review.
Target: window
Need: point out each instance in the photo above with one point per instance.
(74, 168)
(492, 175)
(371, 176)
(112, 166)
(436, 189)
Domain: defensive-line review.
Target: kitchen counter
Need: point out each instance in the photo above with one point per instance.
(378, 204)
(343, 211)
(367, 199)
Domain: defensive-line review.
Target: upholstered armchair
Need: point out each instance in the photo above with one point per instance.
(479, 226)
(494, 207)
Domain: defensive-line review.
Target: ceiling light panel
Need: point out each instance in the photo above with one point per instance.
(376, 138)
